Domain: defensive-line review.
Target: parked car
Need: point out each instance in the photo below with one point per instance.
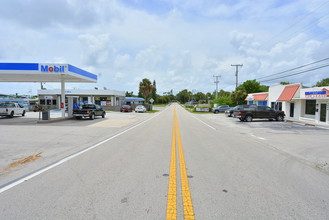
(126, 108)
(229, 112)
(221, 108)
(89, 111)
(140, 108)
(249, 112)
(9, 109)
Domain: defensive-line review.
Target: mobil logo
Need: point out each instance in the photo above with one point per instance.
(52, 68)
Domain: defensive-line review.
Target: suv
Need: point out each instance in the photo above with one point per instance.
(221, 108)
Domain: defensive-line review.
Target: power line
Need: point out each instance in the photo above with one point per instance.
(294, 68)
(295, 73)
(290, 27)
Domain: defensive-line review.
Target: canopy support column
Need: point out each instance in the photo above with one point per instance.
(63, 97)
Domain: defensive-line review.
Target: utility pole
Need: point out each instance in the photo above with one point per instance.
(217, 81)
(237, 73)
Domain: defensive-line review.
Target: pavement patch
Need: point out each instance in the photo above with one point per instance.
(28, 159)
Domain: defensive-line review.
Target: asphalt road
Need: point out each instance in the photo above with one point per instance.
(258, 170)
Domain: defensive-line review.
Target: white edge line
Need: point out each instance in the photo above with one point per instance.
(48, 167)
(261, 138)
(203, 122)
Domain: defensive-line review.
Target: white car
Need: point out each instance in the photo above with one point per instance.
(140, 108)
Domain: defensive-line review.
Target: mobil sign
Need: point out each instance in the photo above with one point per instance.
(52, 68)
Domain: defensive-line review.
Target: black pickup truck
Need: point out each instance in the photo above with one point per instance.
(248, 112)
(88, 111)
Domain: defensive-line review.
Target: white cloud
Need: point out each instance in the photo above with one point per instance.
(122, 61)
(181, 46)
(97, 48)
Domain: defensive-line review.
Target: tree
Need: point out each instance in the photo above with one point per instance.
(145, 88)
(323, 82)
(130, 94)
(200, 97)
(223, 100)
(184, 96)
(249, 86)
(154, 91)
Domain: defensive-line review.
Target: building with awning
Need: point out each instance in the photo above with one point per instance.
(46, 72)
(298, 102)
(257, 98)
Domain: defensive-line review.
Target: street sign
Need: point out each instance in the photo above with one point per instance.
(151, 100)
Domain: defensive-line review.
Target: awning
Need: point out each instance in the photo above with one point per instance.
(257, 97)
(288, 92)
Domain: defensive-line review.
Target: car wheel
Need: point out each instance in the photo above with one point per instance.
(216, 112)
(279, 118)
(23, 114)
(11, 114)
(241, 119)
(92, 117)
(78, 117)
(103, 115)
(248, 118)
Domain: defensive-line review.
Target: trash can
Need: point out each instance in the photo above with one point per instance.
(45, 115)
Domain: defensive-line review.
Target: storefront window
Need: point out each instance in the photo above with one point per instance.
(310, 107)
(42, 102)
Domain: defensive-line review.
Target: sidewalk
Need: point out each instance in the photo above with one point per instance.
(308, 123)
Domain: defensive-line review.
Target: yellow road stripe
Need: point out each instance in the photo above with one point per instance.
(171, 203)
(172, 190)
(186, 193)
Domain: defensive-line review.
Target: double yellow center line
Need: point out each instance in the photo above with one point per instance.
(172, 187)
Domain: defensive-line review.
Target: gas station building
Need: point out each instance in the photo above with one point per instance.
(50, 99)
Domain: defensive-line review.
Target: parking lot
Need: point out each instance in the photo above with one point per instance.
(303, 142)
(28, 136)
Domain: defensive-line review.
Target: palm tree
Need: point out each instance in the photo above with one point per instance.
(145, 88)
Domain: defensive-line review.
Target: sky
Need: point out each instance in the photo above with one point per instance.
(178, 43)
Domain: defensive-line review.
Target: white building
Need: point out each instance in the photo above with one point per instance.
(310, 105)
(51, 98)
(314, 105)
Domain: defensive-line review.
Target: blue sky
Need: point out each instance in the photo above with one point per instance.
(180, 44)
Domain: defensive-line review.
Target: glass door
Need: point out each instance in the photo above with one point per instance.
(292, 109)
(323, 112)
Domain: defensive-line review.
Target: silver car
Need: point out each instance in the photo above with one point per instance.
(140, 108)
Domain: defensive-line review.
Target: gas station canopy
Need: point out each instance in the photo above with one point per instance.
(44, 72)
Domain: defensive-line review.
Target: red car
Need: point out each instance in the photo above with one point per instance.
(126, 108)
